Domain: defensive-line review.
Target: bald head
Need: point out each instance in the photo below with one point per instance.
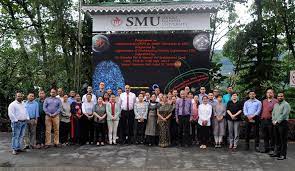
(127, 88)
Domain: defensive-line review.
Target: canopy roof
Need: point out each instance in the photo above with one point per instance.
(152, 7)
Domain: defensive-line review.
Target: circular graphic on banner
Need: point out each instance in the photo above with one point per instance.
(201, 42)
(100, 43)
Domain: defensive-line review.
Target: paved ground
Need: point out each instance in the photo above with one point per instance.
(140, 158)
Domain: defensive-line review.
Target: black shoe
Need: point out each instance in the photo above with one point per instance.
(57, 145)
(247, 148)
(282, 158)
(271, 152)
(274, 155)
(21, 150)
(257, 149)
(264, 151)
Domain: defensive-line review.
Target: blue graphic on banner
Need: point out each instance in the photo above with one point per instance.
(109, 73)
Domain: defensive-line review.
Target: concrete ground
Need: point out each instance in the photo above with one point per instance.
(139, 157)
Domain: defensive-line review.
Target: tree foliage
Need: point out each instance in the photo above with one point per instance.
(258, 48)
(38, 46)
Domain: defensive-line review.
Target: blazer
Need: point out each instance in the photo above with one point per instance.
(109, 111)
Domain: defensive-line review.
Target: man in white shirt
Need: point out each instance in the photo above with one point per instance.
(18, 116)
(89, 91)
(127, 100)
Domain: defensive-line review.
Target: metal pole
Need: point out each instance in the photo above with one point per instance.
(78, 58)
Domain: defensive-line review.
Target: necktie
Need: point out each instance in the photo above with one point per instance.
(113, 109)
(127, 101)
(183, 106)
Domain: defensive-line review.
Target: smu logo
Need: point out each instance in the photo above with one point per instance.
(143, 21)
(116, 21)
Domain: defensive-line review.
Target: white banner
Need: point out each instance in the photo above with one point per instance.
(151, 22)
(292, 78)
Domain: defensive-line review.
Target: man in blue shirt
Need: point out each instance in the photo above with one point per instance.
(32, 108)
(251, 110)
(71, 98)
(52, 108)
(183, 112)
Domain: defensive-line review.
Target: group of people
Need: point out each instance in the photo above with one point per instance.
(176, 118)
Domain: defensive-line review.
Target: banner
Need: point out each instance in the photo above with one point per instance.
(168, 61)
(151, 22)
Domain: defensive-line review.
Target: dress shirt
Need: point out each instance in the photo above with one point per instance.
(212, 102)
(99, 93)
(52, 106)
(267, 107)
(252, 107)
(205, 112)
(93, 99)
(71, 100)
(184, 107)
(17, 111)
(281, 111)
(32, 109)
(132, 99)
(87, 107)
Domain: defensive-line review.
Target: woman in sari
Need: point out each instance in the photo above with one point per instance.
(164, 114)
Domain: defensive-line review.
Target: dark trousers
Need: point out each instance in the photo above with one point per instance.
(87, 130)
(204, 134)
(100, 131)
(281, 138)
(184, 129)
(151, 140)
(139, 130)
(173, 131)
(64, 132)
(249, 126)
(40, 131)
(194, 127)
(268, 134)
(126, 126)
